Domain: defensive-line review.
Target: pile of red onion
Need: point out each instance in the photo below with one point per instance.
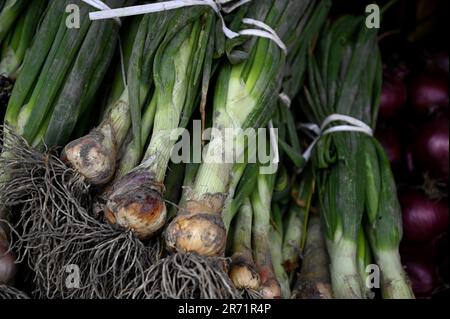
(414, 130)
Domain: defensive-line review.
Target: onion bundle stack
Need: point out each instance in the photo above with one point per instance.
(356, 189)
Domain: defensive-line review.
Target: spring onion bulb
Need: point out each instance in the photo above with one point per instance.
(243, 271)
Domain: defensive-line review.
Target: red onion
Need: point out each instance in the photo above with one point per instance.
(429, 93)
(443, 269)
(8, 268)
(433, 252)
(422, 277)
(431, 148)
(423, 252)
(393, 97)
(392, 145)
(438, 61)
(423, 219)
(409, 160)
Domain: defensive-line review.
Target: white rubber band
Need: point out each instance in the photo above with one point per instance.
(354, 125)
(159, 7)
(266, 32)
(285, 99)
(233, 6)
(101, 6)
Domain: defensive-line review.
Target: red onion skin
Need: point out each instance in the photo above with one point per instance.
(422, 277)
(428, 94)
(423, 219)
(8, 267)
(433, 252)
(409, 159)
(423, 252)
(393, 97)
(438, 62)
(443, 269)
(431, 148)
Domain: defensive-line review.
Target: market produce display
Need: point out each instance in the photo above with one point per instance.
(269, 149)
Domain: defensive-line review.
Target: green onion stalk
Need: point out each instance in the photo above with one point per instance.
(18, 40)
(276, 234)
(314, 281)
(262, 245)
(10, 11)
(61, 74)
(383, 227)
(297, 222)
(119, 73)
(58, 82)
(14, 39)
(242, 182)
(355, 183)
(364, 259)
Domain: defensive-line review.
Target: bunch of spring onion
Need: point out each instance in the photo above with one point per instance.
(283, 241)
(265, 238)
(245, 98)
(15, 37)
(253, 268)
(19, 38)
(246, 216)
(358, 200)
(168, 68)
(10, 10)
(59, 79)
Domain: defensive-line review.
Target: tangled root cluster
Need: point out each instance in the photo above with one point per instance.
(251, 294)
(55, 232)
(8, 292)
(185, 276)
(95, 263)
(72, 252)
(42, 195)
